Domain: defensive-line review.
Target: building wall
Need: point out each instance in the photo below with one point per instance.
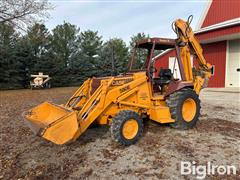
(214, 53)
(218, 33)
(221, 10)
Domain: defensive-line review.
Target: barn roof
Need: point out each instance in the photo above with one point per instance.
(219, 12)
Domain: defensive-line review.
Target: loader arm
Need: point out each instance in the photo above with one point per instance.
(187, 42)
(102, 98)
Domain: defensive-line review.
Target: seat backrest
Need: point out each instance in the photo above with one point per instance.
(165, 73)
(95, 84)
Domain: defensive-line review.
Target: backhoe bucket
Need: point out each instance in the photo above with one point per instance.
(53, 122)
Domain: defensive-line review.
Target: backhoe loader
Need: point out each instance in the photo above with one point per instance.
(123, 101)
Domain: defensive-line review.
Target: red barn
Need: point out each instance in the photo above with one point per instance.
(219, 34)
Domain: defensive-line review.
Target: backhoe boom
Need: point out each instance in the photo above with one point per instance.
(188, 43)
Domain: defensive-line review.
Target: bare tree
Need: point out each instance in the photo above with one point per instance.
(22, 13)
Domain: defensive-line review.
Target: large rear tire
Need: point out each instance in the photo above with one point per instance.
(185, 108)
(127, 127)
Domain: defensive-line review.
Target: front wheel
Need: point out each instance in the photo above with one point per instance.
(185, 108)
(127, 127)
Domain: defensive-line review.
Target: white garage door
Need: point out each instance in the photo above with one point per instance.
(176, 70)
(233, 64)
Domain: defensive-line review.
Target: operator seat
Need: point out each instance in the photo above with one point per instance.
(164, 77)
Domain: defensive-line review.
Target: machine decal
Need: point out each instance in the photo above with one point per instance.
(124, 89)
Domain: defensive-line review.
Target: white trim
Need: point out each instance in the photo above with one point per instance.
(227, 23)
(161, 54)
(226, 66)
(221, 38)
(204, 14)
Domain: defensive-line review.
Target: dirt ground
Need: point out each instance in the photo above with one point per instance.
(94, 155)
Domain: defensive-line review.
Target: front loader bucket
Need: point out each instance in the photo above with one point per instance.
(53, 122)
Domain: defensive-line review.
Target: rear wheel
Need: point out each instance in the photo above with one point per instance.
(185, 108)
(127, 127)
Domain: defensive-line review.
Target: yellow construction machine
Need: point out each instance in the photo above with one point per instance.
(123, 101)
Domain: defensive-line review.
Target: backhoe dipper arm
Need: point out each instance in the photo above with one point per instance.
(187, 43)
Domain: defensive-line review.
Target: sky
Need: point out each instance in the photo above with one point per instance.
(122, 19)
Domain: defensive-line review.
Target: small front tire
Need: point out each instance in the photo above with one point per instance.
(127, 127)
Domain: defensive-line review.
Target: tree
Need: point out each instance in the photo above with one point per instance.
(21, 13)
(38, 37)
(65, 42)
(37, 41)
(21, 57)
(11, 70)
(114, 57)
(67, 55)
(88, 57)
(141, 54)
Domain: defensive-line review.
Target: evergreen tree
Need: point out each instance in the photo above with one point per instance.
(88, 57)
(114, 57)
(37, 41)
(141, 54)
(11, 70)
(65, 42)
(68, 56)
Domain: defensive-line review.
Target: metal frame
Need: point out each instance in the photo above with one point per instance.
(150, 44)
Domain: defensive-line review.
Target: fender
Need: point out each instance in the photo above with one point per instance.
(177, 85)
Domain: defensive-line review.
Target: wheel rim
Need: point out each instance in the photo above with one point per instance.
(130, 129)
(189, 109)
